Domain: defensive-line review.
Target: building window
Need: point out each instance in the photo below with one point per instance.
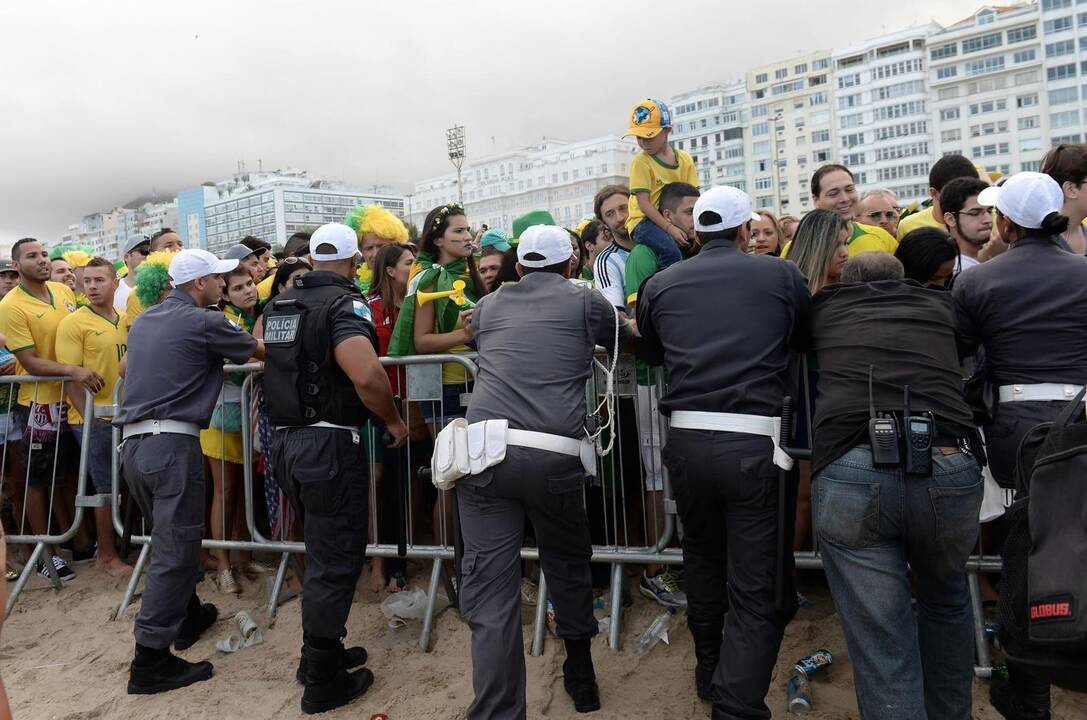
(820, 156)
(801, 69)
(764, 183)
(760, 111)
(983, 42)
(1057, 25)
(948, 93)
(982, 67)
(1021, 34)
(947, 72)
(820, 117)
(1026, 100)
(951, 135)
(761, 78)
(1063, 96)
(1023, 56)
(817, 98)
(820, 136)
(1028, 123)
(761, 147)
(820, 64)
(851, 140)
(944, 51)
(759, 129)
(1065, 139)
(1030, 145)
(1048, 5)
(1064, 47)
(850, 121)
(1061, 72)
(781, 73)
(1067, 118)
(949, 114)
(850, 80)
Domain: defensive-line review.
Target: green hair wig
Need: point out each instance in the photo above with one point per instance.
(152, 277)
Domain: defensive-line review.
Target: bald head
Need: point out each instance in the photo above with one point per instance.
(872, 266)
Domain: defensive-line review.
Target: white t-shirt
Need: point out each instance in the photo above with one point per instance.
(120, 298)
(609, 274)
(965, 263)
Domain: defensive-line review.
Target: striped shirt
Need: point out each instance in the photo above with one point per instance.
(609, 273)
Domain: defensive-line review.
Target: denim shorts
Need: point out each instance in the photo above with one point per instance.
(100, 458)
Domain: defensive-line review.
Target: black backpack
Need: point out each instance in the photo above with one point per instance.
(1043, 591)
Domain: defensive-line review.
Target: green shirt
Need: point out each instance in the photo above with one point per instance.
(641, 264)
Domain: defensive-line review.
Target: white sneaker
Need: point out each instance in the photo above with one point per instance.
(227, 583)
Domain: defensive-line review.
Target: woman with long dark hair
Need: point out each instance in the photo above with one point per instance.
(441, 326)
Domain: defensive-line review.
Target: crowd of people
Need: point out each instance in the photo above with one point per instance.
(728, 309)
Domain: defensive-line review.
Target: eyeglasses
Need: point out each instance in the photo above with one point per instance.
(886, 215)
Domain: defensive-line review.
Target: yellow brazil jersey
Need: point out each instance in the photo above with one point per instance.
(264, 288)
(869, 238)
(31, 323)
(89, 340)
(133, 307)
(920, 219)
(649, 174)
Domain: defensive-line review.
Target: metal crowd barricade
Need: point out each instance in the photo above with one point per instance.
(81, 500)
(627, 526)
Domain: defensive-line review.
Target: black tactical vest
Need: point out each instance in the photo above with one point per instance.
(303, 384)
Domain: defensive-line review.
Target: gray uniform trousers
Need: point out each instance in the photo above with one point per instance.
(165, 474)
(549, 489)
(326, 478)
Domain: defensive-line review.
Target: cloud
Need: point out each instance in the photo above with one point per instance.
(106, 102)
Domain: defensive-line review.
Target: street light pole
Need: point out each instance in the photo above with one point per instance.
(454, 145)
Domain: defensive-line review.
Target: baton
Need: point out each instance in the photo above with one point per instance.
(779, 573)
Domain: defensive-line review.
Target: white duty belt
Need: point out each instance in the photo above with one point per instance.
(462, 449)
(1038, 392)
(321, 424)
(158, 427)
(735, 422)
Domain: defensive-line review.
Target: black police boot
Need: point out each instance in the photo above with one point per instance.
(328, 684)
(579, 678)
(1021, 696)
(198, 618)
(352, 657)
(707, 652)
(154, 671)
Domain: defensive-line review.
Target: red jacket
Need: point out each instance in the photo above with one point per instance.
(384, 323)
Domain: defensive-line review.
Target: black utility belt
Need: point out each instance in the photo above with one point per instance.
(906, 442)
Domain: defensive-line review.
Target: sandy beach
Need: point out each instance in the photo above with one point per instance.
(63, 658)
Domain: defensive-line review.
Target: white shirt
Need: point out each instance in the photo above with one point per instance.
(609, 274)
(965, 262)
(120, 298)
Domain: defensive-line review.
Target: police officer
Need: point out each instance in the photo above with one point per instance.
(322, 379)
(173, 376)
(1024, 308)
(535, 339)
(728, 374)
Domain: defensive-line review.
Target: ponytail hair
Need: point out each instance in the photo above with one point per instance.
(1054, 224)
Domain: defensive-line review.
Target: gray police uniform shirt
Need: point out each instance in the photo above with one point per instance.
(1026, 307)
(175, 361)
(536, 339)
(723, 324)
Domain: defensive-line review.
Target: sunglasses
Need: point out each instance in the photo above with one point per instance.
(145, 251)
(887, 215)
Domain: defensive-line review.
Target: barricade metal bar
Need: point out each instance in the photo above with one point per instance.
(540, 622)
(134, 579)
(24, 576)
(984, 666)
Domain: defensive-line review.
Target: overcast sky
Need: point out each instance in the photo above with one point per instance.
(103, 101)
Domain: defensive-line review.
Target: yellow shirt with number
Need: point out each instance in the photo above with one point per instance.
(31, 323)
(89, 340)
(650, 174)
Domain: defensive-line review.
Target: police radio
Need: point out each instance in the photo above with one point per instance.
(919, 431)
(882, 433)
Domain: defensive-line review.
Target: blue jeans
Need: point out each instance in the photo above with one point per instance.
(661, 243)
(872, 522)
